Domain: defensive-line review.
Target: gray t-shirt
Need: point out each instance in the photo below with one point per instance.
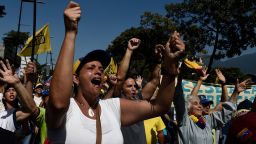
(134, 134)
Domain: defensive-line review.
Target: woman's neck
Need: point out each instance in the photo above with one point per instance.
(90, 100)
(9, 106)
(38, 95)
(87, 109)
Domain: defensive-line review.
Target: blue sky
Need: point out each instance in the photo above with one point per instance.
(101, 22)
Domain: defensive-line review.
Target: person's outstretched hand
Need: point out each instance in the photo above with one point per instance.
(175, 47)
(31, 72)
(220, 76)
(7, 74)
(240, 87)
(204, 74)
(173, 52)
(159, 51)
(72, 14)
(112, 79)
(139, 80)
(133, 43)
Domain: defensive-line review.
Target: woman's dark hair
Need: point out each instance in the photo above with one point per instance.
(16, 101)
(75, 88)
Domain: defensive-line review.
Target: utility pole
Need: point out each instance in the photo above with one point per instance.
(18, 31)
(34, 31)
(34, 24)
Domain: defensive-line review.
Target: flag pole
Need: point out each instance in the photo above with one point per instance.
(18, 31)
(51, 62)
(34, 31)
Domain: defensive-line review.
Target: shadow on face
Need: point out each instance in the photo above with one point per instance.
(130, 88)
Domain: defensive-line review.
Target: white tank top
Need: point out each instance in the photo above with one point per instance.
(80, 129)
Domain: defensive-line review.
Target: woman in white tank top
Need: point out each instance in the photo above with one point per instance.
(76, 120)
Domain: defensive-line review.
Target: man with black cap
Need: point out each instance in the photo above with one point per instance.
(85, 118)
(205, 103)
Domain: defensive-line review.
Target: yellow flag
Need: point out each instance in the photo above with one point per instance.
(192, 64)
(112, 68)
(42, 43)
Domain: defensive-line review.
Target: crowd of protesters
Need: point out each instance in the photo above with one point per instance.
(73, 109)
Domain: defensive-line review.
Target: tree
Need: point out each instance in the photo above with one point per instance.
(12, 41)
(228, 27)
(2, 13)
(143, 59)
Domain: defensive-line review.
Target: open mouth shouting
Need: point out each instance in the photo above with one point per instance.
(96, 82)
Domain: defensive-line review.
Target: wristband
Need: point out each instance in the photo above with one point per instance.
(221, 82)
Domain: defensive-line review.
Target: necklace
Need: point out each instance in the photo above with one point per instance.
(90, 112)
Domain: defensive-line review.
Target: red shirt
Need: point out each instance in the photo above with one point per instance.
(243, 129)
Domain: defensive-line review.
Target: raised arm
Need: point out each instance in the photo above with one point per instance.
(199, 82)
(30, 76)
(133, 111)
(224, 92)
(112, 81)
(123, 67)
(149, 89)
(62, 80)
(239, 87)
(27, 102)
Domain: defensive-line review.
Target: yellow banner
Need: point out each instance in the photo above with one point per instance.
(112, 68)
(42, 43)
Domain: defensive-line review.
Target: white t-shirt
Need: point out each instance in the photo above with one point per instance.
(1, 102)
(7, 120)
(37, 100)
(80, 129)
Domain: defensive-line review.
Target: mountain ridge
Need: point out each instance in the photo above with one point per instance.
(246, 63)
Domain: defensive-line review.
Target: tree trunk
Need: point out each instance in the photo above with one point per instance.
(213, 52)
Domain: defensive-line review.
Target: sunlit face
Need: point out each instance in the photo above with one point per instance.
(129, 88)
(90, 78)
(10, 94)
(195, 107)
(38, 90)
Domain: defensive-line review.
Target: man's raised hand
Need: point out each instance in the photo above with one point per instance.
(133, 43)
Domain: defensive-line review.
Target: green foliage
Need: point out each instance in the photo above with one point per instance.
(143, 58)
(228, 27)
(2, 13)
(12, 41)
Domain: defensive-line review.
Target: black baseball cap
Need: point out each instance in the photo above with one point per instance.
(97, 55)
